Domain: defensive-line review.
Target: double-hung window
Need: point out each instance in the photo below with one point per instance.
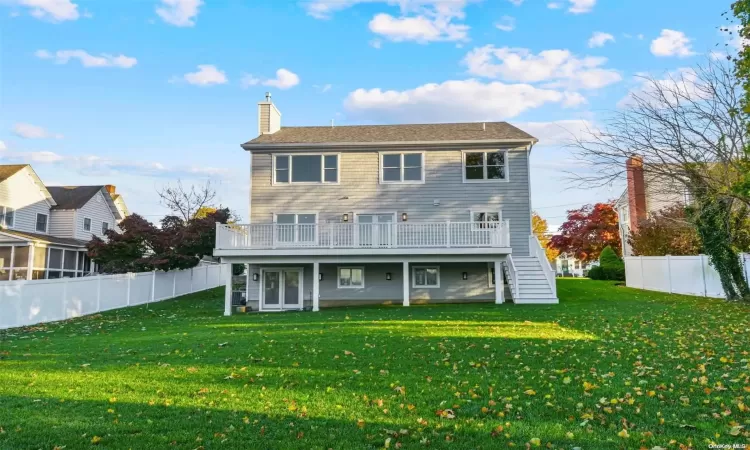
(425, 277)
(308, 169)
(402, 167)
(487, 165)
(86, 224)
(485, 219)
(295, 227)
(105, 227)
(41, 223)
(351, 277)
(7, 216)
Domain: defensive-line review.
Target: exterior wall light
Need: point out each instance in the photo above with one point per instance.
(255, 277)
(346, 217)
(320, 277)
(465, 275)
(388, 276)
(404, 217)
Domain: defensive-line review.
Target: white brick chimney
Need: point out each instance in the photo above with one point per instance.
(269, 118)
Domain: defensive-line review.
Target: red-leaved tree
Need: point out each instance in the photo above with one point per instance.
(588, 231)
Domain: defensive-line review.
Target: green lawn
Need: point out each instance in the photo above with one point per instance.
(609, 367)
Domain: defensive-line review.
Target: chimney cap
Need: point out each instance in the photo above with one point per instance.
(268, 96)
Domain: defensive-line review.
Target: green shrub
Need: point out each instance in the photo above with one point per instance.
(609, 258)
(596, 273)
(610, 267)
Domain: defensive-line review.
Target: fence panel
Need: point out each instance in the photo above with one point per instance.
(25, 303)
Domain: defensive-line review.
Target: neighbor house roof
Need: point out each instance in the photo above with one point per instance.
(7, 171)
(365, 134)
(45, 238)
(75, 197)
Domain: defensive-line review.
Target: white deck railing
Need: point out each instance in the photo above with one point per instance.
(363, 235)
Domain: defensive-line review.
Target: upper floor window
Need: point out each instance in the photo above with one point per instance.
(86, 224)
(41, 223)
(489, 219)
(401, 168)
(485, 166)
(7, 216)
(105, 227)
(306, 169)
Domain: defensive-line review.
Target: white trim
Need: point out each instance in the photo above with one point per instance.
(302, 183)
(402, 167)
(364, 251)
(484, 165)
(360, 259)
(414, 277)
(262, 294)
(84, 224)
(338, 277)
(36, 221)
(511, 144)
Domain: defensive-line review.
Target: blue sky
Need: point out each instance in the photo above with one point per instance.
(141, 93)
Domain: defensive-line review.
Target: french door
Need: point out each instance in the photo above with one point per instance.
(375, 230)
(281, 289)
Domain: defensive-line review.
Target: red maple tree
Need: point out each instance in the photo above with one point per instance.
(588, 231)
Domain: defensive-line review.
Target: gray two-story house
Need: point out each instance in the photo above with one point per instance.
(387, 214)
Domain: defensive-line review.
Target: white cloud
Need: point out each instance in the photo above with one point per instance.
(554, 5)
(51, 10)
(180, 13)
(3, 146)
(207, 75)
(88, 60)
(506, 23)
(376, 43)
(559, 68)
(248, 80)
(420, 20)
(598, 39)
(456, 100)
(574, 6)
(517, 2)
(734, 38)
(679, 84)
(322, 88)
(672, 43)
(29, 131)
(285, 79)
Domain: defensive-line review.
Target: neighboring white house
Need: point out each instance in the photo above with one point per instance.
(353, 215)
(569, 266)
(646, 194)
(44, 229)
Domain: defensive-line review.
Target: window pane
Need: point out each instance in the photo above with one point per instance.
(356, 277)
(40, 257)
(282, 176)
(10, 215)
(86, 263)
(391, 174)
(285, 218)
(306, 218)
(479, 217)
(70, 260)
(345, 277)
(4, 274)
(331, 162)
(432, 276)
(474, 173)
(282, 162)
(413, 174)
(419, 277)
(55, 258)
(21, 257)
(87, 224)
(495, 159)
(105, 227)
(331, 175)
(41, 223)
(19, 274)
(306, 168)
(412, 160)
(4, 257)
(37, 275)
(391, 160)
(495, 172)
(493, 217)
(474, 159)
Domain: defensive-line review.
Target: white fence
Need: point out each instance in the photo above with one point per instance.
(25, 303)
(691, 275)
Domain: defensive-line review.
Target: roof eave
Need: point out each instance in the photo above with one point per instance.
(278, 146)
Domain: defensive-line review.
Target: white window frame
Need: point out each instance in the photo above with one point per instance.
(104, 230)
(302, 183)
(402, 167)
(84, 223)
(338, 277)
(4, 218)
(414, 277)
(296, 222)
(484, 165)
(485, 212)
(36, 222)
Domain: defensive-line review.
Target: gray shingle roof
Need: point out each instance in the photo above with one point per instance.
(46, 238)
(72, 197)
(8, 170)
(362, 134)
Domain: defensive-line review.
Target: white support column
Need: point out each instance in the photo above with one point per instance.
(316, 287)
(153, 286)
(406, 283)
(228, 290)
(30, 269)
(499, 285)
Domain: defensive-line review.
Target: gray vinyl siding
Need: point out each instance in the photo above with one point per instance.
(61, 223)
(97, 209)
(359, 191)
(21, 193)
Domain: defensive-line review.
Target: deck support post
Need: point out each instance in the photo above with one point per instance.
(316, 287)
(499, 285)
(228, 290)
(406, 283)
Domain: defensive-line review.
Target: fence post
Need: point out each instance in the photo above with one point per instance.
(98, 293)
(643, 282)
(65, 295)
(174, 283)
(128, 278)
(669, 273)
(153, 286)
(703, 275)
(192, 274)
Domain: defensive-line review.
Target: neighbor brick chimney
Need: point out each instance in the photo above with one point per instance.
(636, 191)
(269, 117)
(110, 188)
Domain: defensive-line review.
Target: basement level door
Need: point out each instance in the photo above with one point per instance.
(281, 289)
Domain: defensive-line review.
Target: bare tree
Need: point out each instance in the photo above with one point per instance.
(186, 202)
(689, 130)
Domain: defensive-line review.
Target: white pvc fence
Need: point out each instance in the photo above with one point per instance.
(25, 303)
(691, 275)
